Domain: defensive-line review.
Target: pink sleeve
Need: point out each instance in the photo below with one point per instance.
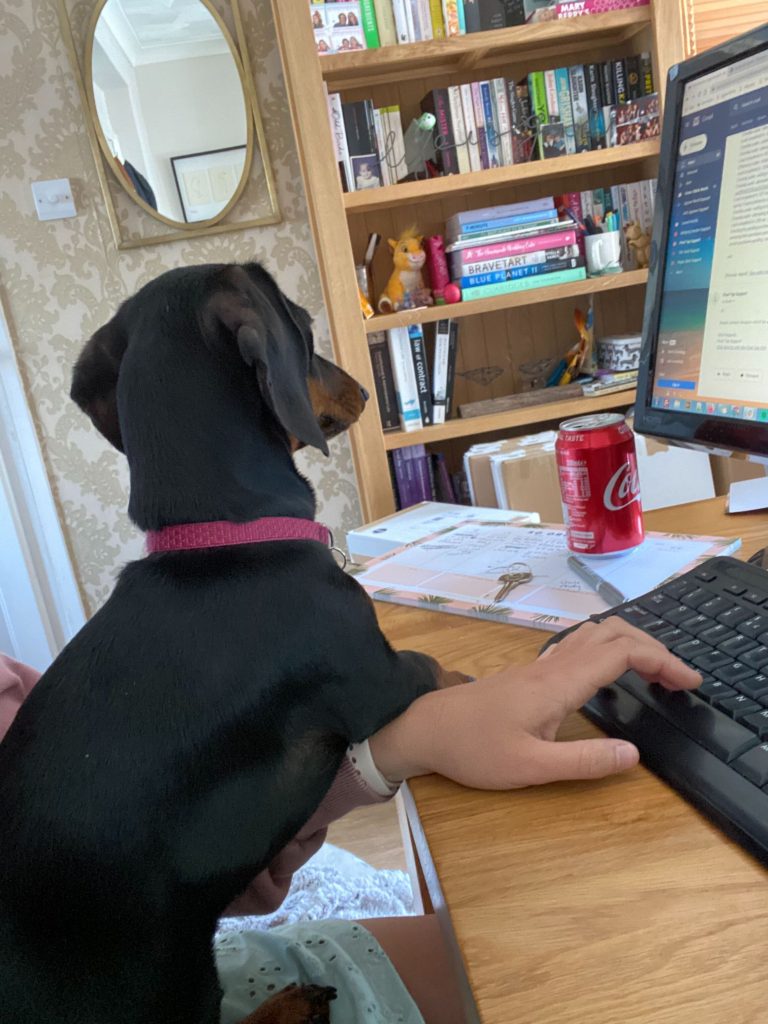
(16, 680)
(269, 888)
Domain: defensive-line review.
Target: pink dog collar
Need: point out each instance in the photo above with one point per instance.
(189, 536)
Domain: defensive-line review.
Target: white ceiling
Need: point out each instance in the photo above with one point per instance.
(157, 30)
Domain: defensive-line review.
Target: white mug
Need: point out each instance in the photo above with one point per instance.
(603, 252)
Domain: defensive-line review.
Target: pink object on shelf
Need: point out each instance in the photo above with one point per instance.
(452, 293)
(574, 8)
(437, 264)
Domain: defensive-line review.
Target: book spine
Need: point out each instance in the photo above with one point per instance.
(646, 74)
(579, 107)
(401, 10)
(472, 17)
(488, 291)
(544, 206)
(461, 15)
(606, 82)
(440, 370)
(421, 371)
(425, 475)
(381, 148)
(385, 21)
(500, 250)
(436, 17)
(437, 103)
(520, 112)
(414, 20)
(395, 143)
(425, 16)
(340, 141)
(550, 85)
(575, 8)
(407, 489)
(477, 104)
(521, 273)
(634, 83)
(451, 17)
(459, 129)
(470, 128)
(504, 263)
(620, 87)
(386, 395)
(453, 348)
(648, 203)
(370, 25)
(491, 128)
(404, 378)
(505, 121)
(565, 107)
(445, 491)
(477, 227)
(537, 92)
(595, 104)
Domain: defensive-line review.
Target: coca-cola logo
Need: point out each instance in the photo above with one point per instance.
(623, 488)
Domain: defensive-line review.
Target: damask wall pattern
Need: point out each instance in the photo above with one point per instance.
(63, 279)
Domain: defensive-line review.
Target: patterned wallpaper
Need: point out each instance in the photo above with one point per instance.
(63, 279)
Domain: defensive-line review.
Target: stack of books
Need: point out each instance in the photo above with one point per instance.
(368, 24)
(419, 475)
(413, 370)
(513, 248)
(368, 141)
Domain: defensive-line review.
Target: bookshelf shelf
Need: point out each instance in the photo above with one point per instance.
(560, 168)
(515, 418)
(592, 286)
(482, 49)
(498, 334)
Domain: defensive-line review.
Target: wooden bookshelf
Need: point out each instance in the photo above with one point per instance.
(498, 334)
(515, 419)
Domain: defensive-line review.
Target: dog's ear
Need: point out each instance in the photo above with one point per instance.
(94, 380)
(274, 337)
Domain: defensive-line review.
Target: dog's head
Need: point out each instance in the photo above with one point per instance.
(220, 313)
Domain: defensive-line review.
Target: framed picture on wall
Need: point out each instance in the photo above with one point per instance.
(206, 181)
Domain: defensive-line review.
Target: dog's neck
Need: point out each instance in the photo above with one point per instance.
(228, 460)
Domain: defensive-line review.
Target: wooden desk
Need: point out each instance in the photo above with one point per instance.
(612, 902)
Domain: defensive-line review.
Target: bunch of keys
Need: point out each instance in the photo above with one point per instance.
(519, 573)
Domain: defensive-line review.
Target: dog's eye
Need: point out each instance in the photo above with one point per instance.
(327, 422)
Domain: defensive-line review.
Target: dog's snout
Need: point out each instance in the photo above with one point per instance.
(364, 393)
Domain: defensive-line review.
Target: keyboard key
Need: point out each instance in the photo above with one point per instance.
(736, 588)
(754, 626)
(736, 645)
(695, 625)
(754, 687)
(739, 707)
(696, 597)
(734, 615)
(712, 690)
(670, 637)
(636, 615)
(756, 658)
(657, 603)
(733, 673)
(677, 588)
(754, 598)
(758, 722)
(706, 576)
(716, 634)
(754, 765)
(690, 649)
(654, 626)
(678, 615)
(714, 606)
(711, 660)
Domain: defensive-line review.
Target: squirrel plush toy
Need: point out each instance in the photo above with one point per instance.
(639, 242)
(405, 288)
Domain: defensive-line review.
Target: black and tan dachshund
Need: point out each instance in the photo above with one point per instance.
(195, 723)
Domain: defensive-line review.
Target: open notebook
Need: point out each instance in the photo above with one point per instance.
(462, 570)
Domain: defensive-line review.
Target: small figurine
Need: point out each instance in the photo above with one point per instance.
(639, 242)
(405, 288)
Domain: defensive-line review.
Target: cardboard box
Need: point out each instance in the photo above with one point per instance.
(727, 471)
(528, 475)
(420, 521)
(477, 465)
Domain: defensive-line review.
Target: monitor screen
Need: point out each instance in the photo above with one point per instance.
(705, 351)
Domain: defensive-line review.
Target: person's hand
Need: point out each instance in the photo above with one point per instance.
(500, 732)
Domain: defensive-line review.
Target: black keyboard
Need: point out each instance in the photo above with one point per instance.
(711, 744)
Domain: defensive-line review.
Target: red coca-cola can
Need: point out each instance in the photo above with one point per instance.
(599, 484)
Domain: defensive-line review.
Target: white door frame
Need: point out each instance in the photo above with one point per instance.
(39, 597)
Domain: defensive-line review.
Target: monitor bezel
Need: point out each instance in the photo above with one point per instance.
(687, 428)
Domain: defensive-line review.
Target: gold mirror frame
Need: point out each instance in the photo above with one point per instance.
(106, 168)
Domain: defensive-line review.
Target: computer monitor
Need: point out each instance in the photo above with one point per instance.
(703, 378)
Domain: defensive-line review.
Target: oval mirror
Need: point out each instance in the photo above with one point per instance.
(166, 85)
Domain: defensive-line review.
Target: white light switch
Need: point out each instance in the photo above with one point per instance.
(53, 199)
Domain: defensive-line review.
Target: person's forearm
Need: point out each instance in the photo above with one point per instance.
(401, 750)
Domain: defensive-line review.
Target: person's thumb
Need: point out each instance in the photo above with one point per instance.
(582, 759)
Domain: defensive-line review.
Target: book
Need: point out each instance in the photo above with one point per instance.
(486, 15)
(436, 102)
(487, 291)
(401, 10)
(637, 120)
(479, 112)
(459, 128)
(404, 377)
(519, 247)
(531, 270)
(565, 107)
(456, 570)
(553, 140)
(378, 125)
(520, 118)
(370, 24)
(491, 219)
(473, 149)
(646, 74)
(436, 15)
(385, 21)
(575, 8)
(386, 395)
(634, 85)
(544, 205)
(346, 30)
(531, 259)
(443, 482)
(412, 475)
(421, 372)
(453, 350)
(550, 86)
(607, 84)
(538, 98)
(425, 17)
(579, 108)
(394, 142)
(620, 86)
(339, 134)
(501, 108)
(505, 235)
(365, 167)
(595, 104)
(491, 125)
(440, 370)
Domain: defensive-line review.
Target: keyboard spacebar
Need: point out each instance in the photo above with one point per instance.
(706, 725)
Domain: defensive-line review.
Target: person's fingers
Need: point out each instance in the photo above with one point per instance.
(579, 759)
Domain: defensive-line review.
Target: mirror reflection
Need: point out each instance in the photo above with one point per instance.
(171, 105)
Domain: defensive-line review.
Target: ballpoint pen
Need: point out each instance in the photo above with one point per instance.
(610, 594)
